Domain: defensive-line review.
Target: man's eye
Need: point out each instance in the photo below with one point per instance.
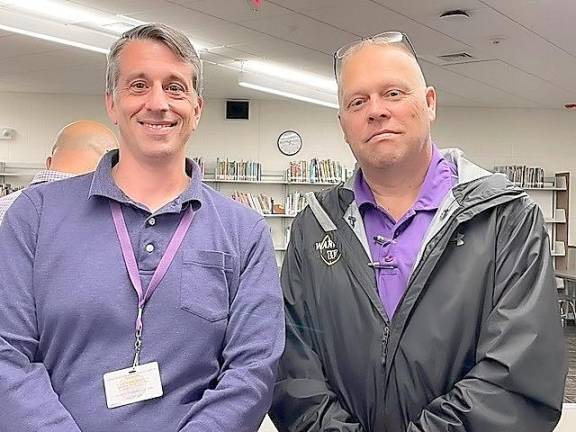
(175, 89)
(138, 86)
(356, 103)
(395, 93)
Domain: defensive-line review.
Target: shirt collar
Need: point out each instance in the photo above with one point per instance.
(103, 183)
(45, 176)
(440, 177)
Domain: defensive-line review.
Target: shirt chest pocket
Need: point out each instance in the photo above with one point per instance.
(204, 289)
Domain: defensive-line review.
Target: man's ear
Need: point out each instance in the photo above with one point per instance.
(198, 110)
(431, 103)
(342, 127)
(48, 162)
(111, 108)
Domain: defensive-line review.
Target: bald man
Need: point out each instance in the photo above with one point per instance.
(420, 295)
(78, 147)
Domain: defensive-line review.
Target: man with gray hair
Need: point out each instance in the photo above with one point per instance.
(137, 298)
(420, 295)
(77, 149)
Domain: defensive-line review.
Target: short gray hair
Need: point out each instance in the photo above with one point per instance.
(174, 39)
(393, 38)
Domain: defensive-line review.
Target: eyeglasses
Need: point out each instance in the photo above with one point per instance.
(393, 38)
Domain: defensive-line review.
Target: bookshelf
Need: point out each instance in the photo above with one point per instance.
(277, 195)
(552, 196)
(553, 200)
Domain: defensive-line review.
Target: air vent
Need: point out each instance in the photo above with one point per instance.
(461, 57)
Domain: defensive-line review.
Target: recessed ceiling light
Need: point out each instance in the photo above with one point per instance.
(455, 15)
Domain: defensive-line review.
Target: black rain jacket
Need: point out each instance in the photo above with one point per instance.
(475, 345)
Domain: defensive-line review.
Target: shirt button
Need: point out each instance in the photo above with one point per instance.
(389, 258)
(149, 248)
(152, 221)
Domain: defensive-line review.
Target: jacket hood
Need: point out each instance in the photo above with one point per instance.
(475, 185)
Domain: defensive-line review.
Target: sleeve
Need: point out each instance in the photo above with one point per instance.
(253, 344)
(518, 380)
(303, 400)
(28, 401)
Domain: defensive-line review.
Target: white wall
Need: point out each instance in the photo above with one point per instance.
(545, 138)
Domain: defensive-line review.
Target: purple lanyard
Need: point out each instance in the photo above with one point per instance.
(132, 267)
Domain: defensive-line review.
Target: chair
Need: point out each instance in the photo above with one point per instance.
(567, 300)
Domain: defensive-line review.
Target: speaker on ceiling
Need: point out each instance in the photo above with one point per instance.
(237, 109)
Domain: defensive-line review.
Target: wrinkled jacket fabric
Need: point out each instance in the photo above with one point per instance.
(475, 345)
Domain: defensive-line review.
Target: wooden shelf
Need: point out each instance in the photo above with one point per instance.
(278, 216)
(272, 182)
(558, 218)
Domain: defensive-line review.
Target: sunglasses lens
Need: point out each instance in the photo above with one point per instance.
(392, 37)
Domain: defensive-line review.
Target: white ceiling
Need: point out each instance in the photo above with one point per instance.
(534, 65)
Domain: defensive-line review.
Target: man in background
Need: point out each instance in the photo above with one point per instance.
(77, 149)
(420, 295)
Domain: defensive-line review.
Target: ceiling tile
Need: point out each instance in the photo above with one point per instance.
(301, 30)
(120, 6)
(417, 9)
(513, 80)
(232, 11)
(553, 22)
(469, 88)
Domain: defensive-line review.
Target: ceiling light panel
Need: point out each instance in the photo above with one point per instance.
(62, 11)
(292, 75)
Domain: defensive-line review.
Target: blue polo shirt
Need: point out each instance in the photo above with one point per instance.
(215, 324)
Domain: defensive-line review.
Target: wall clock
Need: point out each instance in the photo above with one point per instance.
(289, 142)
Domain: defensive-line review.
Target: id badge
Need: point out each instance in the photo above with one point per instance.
(130, 385)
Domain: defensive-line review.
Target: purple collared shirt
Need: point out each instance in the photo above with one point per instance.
(395, 244)
(215, 324)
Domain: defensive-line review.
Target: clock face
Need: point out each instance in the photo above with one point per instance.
(289, 142)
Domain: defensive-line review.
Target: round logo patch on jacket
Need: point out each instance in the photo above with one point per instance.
(328, 250)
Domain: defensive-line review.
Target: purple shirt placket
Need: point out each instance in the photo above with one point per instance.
(394, 245)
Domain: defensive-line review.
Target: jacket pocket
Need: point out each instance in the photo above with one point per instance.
(204, 285)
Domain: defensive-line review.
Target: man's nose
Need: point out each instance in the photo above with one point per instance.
(378, 108)
(157, 99)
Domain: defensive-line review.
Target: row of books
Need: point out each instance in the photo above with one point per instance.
(242, 170)
(317, 171)
(312, 171)
(522, 175)
(261, 203)
(266, 205)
